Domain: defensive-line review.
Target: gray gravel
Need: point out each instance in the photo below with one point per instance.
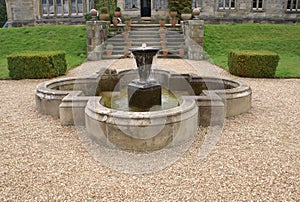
(257, 157)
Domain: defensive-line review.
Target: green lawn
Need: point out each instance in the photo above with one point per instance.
(283, 39)
(70, 39)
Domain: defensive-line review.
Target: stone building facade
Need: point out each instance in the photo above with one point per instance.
(35, 12)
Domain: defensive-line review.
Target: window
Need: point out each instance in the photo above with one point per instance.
(130, 4)
(257, 5)
(227, 4)
(293, 6)
(76, 7)
(62, 7)
(197, 4)
(159, 4)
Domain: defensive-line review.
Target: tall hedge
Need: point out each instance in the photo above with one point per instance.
(36, 65)
(246, 63)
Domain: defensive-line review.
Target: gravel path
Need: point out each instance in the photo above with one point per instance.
(257, 157)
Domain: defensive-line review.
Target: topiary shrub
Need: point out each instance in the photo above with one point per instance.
(247, 63)
(36, 65)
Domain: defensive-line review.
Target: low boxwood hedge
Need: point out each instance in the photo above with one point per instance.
(246, 63)
(36, 65)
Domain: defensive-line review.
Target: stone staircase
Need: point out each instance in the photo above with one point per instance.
(145, 33)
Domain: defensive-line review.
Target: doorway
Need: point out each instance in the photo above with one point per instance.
(145, 8)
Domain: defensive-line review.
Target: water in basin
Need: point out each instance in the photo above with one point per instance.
(119, 101)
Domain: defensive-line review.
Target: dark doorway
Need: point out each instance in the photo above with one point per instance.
(145, 8)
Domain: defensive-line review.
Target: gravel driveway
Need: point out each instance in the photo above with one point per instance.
(257, 157)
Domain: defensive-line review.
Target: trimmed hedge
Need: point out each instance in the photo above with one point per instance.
(36, 65)
(246, 63)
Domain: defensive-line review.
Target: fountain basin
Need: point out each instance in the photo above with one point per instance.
(204, 101)
(141, 131)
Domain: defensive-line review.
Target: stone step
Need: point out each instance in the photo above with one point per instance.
(156, 33)
(146, 33)
(171, 54)
(153, 36)
(123, 41)
(176, 29)
(150, 27)
(117, 49)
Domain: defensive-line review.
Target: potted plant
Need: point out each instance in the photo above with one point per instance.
(104, 14)
(128, 42)
(127, 28)
(125, 35)
(117, 12)
(186, 13)
(173, 12)
(162, 21)
(173, 21)
(126, 52)
(181, 50)
(164, 50)
(115, 21)
(162, 33)
(109, 49)
(128, 20)
(163, 42)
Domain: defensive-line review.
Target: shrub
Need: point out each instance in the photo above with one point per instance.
(186, 10)
(127, 17)
(173, 9)
(104, 10)
(163, 17)
(87, 16)
(248, 63)
(36, 65)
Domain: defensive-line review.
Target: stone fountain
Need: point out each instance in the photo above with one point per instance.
(199, 101)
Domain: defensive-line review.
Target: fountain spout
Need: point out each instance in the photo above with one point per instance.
(144, 92)
(144, 58)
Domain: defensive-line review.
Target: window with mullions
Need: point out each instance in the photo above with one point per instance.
(56, 7)
(129, 4)
(257, 5)
(61, 7)
(197, 4)
(160, 4)
(226, 4)
(293, 6)
(76, 7)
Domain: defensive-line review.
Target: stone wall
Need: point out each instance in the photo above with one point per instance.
(28, 12)
(194, 38)
(20, 12)
(95, 36)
